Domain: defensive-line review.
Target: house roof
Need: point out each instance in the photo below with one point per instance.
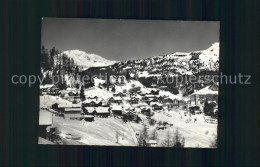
(96, 101)
(152, 142)
(90, 109)
(117, 98)
(46, 86)
(158, 104)
(45, 117)
(88, 116)
(149, 95)
(101, 110)
(72, 109)
(116, 107)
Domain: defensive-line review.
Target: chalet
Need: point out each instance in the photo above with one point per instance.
(72, 96)
(117, 100)
(182, 103)
(154, 100)
(89, 110)
(157, 106)
(45, 120)
(89, 118)
(155, 92)
(116, 94)
(146, 111)
(50, 89)
(102, 112)
(151, 143)
(194, 109)
(93, 102)
(120, 80)
(73, 113)
(134, 100)
(148, 97)
(163, 87)
(119, 94)
(117, 110)
(160, 127)
(62, 107)
(167, 100)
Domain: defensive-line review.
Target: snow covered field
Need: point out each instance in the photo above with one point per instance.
(113, 131)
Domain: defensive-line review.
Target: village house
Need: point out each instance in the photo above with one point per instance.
(89, 118)
(72, 96)
(102, 112)
(45, 120)
(151, 143)
(73, 113)
(134, 100)
(119, 94)
(93, 102)
(61, 107)
(194, 110)
(117, 110)
(50, 89)
(167, 100)
(155, 92)
(146, 111)
(97, 111)
(157, 106)
(120, 80)
(117, 100)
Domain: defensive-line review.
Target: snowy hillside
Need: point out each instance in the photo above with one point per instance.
(177, 63)
(86, 60)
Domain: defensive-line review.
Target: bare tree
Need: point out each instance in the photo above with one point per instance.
(167, 141)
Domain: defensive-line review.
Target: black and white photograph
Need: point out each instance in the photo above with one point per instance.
(139, 83)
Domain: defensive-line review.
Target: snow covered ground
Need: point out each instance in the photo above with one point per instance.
(113, 131)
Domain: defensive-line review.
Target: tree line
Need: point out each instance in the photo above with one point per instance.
(58, 64)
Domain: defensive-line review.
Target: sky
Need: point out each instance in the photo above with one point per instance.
(128, 39)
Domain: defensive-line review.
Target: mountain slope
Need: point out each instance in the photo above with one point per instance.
(175, 64)
(86, 60)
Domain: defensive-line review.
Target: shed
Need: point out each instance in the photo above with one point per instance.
(89, 118)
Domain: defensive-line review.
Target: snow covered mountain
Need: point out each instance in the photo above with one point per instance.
(176, 63)
(86, 60)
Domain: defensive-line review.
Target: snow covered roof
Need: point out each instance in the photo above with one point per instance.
(158, 104)
(102, 110)
(72, 109)
(117, 98)
(45, 118)
(88, 116)
(116, 107)
(98, 100)
(152, 142)
(90, 109)
(149, 95)
(46, 86)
